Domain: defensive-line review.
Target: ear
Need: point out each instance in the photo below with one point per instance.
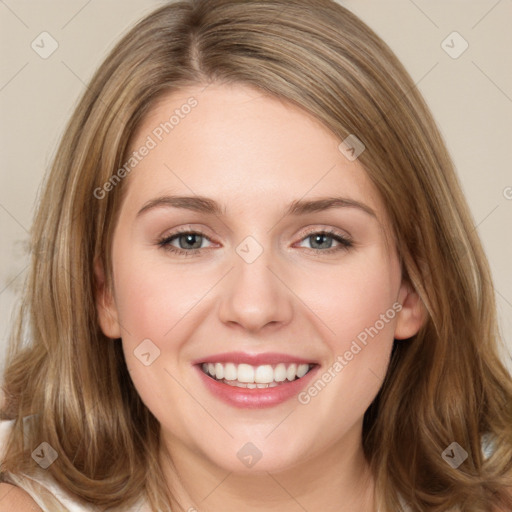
(105, 304)
(413, 313)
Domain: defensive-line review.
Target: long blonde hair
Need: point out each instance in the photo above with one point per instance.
(445, 384)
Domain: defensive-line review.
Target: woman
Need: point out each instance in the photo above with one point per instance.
(258, 369)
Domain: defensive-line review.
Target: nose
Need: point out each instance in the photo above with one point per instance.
(255, 294)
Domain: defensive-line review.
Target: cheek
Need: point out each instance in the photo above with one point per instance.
(150, 304)
(156, 309)
(352, 297)
(152, 298)
(358, 310)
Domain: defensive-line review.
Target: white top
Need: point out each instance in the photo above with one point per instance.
(43, 483)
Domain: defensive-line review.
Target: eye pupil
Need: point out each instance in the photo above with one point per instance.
(318, 237)
(190, 237)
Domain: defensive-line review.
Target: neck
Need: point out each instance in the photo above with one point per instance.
(337, 480)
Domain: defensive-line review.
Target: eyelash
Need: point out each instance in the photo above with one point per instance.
(345, 242)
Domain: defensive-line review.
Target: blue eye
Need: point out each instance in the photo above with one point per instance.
(320, 237)
(186, 239)
(190, 242)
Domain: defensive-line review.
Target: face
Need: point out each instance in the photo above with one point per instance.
(254, 291)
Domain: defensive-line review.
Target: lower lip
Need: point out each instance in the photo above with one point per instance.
(246, 398)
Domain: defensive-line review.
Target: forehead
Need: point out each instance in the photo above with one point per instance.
(235, 141)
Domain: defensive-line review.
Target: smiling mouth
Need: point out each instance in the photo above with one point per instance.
(251, 377)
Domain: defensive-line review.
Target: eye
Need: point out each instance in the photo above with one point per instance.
(190, 242)
(321, 241)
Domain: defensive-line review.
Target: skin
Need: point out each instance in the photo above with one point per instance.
(255, 154)
(13, 498)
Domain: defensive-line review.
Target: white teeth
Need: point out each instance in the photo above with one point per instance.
(250, 385)
(291, 372)
(230, 371)
(245, 373)
(219, 371)
(248, 376)
(280, 373)
(264, 374)
(302, 370)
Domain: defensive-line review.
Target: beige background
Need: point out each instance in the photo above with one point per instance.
(470, 96)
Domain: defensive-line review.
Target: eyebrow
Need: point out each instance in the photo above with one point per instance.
(208, 206)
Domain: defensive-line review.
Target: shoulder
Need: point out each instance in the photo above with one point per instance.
(14, 498)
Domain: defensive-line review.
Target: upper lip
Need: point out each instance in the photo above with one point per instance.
(253, 359)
